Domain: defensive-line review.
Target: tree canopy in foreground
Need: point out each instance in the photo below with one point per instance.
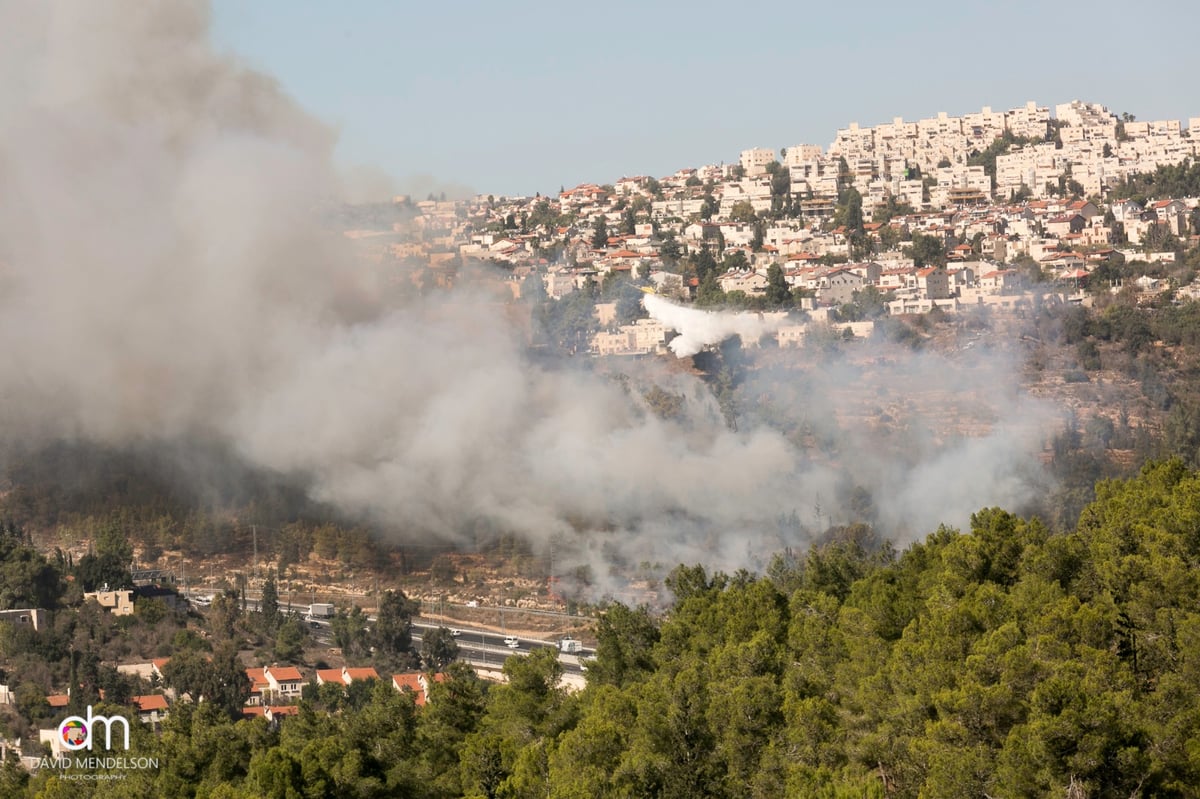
(1001, 661)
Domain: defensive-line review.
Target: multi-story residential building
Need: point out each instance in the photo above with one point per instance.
(1030, 168)
(897, 136)
(678, 208)
(754, 161)
(743, 280)
(943, 126)
(853, 142)
(838, 286)
(1085, 121)
(994, 247)
(1029, 122)
(997, 281)
(869, 271)
(559, 283)
(959, 186)
(643, 336)
(801, 154)
(819, 177)
(648, 334)
(984, 127)
(933, 283)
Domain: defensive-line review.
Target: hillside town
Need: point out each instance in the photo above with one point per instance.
(951, 212)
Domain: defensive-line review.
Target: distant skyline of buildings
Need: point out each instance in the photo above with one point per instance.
(1135, 146)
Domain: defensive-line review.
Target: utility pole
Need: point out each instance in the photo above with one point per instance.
(254, 532)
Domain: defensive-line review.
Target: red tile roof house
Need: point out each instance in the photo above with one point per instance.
(284, 681)
(960, 253)
(152, 708)
(411, 683)
(934, 283)
(367, 673)
(258, 686)
(272, 713)
(998, 280)
(417, 683)
(330, 675)
(345, 676)
(277, 712)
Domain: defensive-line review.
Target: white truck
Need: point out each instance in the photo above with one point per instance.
(570, 646)
(320, 610)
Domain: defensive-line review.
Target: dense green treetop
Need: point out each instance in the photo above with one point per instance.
(1168, 181)
(1004, 661)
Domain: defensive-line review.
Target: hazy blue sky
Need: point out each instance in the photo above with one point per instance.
(518, 97)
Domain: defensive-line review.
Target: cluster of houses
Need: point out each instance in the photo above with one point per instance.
(778, 207)
(923, 164)
(1088, 145)
(274, 691)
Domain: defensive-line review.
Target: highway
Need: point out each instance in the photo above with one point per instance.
(489, 647)
(485, 648)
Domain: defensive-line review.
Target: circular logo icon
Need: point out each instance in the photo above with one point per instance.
(74, 733)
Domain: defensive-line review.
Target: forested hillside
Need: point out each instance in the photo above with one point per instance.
(1002, 661)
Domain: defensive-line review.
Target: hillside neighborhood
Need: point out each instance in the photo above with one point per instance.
(948, 212)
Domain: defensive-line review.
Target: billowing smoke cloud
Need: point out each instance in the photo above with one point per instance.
(164, 277)
(699, 329)
(932, 436)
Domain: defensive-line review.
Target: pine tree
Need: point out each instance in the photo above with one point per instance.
(269, 606)
(600, 233)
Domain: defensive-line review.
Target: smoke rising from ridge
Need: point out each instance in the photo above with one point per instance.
(162, 277)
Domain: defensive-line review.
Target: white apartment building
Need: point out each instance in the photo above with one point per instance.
(985, 126)
(1086, 115)
(963, 181)
(939, 127)
(897, 137)
(682, 208)
(1029, 121)
(754, 161)
(1032, 167)
(641, 337)
(853, 142)
(801, 154)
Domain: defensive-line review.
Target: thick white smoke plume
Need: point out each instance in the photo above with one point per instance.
(164, 276)
(699, 329)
